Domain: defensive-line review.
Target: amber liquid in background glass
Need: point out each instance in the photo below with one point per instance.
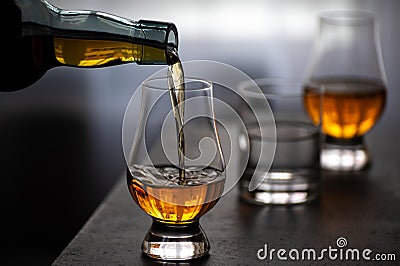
(350, 106)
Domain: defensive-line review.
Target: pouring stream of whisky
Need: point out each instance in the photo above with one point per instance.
(177, 95)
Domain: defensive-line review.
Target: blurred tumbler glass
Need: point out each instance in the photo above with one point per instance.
(294, 174)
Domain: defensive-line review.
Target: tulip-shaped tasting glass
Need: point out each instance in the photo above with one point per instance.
(176, 167)
(347, 68)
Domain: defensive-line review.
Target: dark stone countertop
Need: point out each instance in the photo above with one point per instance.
(363, 208)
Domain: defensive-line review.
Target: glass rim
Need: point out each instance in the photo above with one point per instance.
(147, 83)
(347, 17)
(254, 90)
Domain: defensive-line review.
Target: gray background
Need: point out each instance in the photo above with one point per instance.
(60, 139)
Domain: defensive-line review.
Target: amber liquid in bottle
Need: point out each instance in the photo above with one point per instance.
(350, 106)
(31, 56)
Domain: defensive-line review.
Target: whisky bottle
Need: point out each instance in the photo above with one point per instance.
(39, 36)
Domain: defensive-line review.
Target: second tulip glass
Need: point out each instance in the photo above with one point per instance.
(347, 68)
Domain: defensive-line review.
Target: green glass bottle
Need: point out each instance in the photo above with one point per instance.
(41, 36)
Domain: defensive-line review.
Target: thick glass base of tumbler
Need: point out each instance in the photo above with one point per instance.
(344, 156)
(175, 242)
(281, 187)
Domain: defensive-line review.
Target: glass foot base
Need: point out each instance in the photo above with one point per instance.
(175, 241)
(344, 158)
(282, 188)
